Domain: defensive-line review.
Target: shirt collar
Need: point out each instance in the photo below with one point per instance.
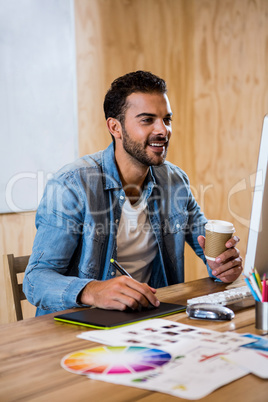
(111, 178)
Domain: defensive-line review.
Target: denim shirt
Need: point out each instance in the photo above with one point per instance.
(77, 222)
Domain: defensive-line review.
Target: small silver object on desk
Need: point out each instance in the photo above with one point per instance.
(206, 311)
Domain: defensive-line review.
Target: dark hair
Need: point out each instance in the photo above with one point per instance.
(115, 103)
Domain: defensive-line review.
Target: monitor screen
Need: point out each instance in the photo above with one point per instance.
(257, 247)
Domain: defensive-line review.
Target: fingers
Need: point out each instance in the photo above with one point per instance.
(230, 253)
(229, 265)
(119, 293)
(152, 289)
(201, 240)
(138, 293)
(232, 242)
(229, 271)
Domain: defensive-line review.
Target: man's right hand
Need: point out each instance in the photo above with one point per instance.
(119, 294)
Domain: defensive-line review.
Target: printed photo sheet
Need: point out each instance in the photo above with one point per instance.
(165, 334)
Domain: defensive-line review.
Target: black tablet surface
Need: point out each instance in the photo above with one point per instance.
(106, 319)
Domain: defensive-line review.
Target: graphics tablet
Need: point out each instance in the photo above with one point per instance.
(106, 319)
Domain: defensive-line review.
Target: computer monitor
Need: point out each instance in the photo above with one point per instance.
(257, 247)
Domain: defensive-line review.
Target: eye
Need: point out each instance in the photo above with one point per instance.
(147, 120)
(167, 120)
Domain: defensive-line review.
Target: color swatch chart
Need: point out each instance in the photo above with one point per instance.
(115, 360)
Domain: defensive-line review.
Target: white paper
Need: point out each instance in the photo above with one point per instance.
(165, 334)
(200, 360)
(255, 361)
(194, 372)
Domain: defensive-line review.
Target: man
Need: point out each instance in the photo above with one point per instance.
(124, 203)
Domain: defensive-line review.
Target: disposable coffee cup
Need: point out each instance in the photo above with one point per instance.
(261, 315)
(217, 234)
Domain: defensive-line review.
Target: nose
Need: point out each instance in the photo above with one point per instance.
(161, 128)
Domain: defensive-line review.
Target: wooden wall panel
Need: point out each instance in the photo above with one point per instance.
(214, 57)
(230, 101)
(118, 36)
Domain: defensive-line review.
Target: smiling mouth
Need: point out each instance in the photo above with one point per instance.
(158, 146)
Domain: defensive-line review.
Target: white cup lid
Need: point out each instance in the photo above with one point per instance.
(220, 226)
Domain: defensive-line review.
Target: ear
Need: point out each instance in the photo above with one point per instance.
(115, 128)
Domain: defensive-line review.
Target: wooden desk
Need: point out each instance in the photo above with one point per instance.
(31, 351)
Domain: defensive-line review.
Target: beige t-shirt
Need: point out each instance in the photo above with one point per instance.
(136, 241)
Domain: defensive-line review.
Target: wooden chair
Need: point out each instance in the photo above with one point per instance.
(13, 266)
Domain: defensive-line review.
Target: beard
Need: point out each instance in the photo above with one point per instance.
(138, 150)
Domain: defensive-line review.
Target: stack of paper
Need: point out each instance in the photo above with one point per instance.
(201, 360)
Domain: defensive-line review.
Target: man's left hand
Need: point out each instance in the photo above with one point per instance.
(228, 266)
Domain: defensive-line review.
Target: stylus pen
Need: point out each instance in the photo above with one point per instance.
(120, 268)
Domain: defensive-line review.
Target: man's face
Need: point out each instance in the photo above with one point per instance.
(147, 128)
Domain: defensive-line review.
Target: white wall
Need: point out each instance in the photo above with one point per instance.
(38, 102)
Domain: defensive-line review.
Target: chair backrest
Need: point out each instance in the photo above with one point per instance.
(12, 267)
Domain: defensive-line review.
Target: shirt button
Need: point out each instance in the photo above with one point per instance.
(122, 197)
(117, 220)
(113, 274)
(177, 225)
